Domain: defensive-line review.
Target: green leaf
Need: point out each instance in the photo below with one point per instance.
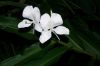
(86, 5)
(14, 60)
(83, 39)
(36, 56)
(9, 24)
(5, 3)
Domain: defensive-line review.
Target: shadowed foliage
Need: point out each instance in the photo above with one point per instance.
(21, 47)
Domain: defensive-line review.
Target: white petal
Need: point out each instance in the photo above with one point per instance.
(61, 30)
(56, 19)
(45, 21)
(31, 13)
(36, 14)
(45, 36)
(24, 23)
(28, 12)
(38, 28)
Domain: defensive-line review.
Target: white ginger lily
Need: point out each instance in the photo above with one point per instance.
(51, 24)
(33, 14)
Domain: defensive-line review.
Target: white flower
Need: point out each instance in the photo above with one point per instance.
(33, 14)
(51, 24)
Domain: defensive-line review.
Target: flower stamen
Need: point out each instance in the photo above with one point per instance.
(56, 35)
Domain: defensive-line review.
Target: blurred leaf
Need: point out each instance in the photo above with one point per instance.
(36, 56)
(86, 5)
(5, 3)
(83, 38)
(14, 60)
(9, 24)
(68, 6)
(97, 6)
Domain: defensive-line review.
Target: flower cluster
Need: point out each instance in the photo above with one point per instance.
(45, 24)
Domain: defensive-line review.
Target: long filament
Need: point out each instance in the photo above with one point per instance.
(56, 35)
